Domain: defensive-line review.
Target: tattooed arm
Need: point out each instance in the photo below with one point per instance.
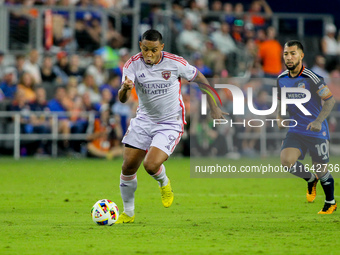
(325, 111)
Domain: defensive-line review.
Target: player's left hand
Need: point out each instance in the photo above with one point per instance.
(314, 126)
(217, 113)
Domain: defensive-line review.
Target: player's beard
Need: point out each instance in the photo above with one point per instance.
(293, 66)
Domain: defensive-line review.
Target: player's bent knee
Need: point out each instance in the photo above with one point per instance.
(151, 167)
(288, 157)
(129, 168)
(288, 161)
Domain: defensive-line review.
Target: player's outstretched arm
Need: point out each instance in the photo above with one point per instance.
(325, 111)
(216, 112)
(125, 90)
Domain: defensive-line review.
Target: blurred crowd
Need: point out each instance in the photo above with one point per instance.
(69, 3)
(79, 30)
(36, 84)
(227, 35)
(228, 41)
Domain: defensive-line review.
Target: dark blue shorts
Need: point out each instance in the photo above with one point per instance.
(318, 148)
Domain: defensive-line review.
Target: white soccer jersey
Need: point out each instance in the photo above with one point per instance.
(158, 86)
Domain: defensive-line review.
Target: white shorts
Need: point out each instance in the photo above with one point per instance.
(144, 133)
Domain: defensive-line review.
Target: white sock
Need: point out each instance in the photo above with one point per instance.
(161, 177)
(128, 186)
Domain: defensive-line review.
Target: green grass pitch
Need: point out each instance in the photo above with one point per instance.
(45, 209)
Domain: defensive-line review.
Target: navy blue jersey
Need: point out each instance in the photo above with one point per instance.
(309, 80)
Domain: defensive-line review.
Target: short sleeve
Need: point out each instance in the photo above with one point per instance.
(321, 88)
(129, 71)
(186, 70)
(324, 92)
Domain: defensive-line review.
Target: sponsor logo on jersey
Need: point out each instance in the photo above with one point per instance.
(166, 75)
(296, 95)
(301, 85)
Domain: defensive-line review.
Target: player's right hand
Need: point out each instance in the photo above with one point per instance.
(217, 113)
(127, 84)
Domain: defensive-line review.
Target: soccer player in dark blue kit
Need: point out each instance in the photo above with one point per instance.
(311, 132)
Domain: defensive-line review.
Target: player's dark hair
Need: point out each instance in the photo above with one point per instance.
(296, 43)
(152, 35)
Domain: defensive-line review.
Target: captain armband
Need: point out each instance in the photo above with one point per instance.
(324, 92)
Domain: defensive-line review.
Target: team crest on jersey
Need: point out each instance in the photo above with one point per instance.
(166, 75)
(301, 85)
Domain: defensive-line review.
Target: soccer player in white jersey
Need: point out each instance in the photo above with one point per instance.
(156, 130)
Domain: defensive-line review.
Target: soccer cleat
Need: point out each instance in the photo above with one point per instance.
(311, 190)
(328, 208)
(124, 218)
(167, 195)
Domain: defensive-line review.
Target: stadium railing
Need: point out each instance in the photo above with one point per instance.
(162, 19)
(10, 131)
(32, 35)
(10, 123)
(20, 35)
